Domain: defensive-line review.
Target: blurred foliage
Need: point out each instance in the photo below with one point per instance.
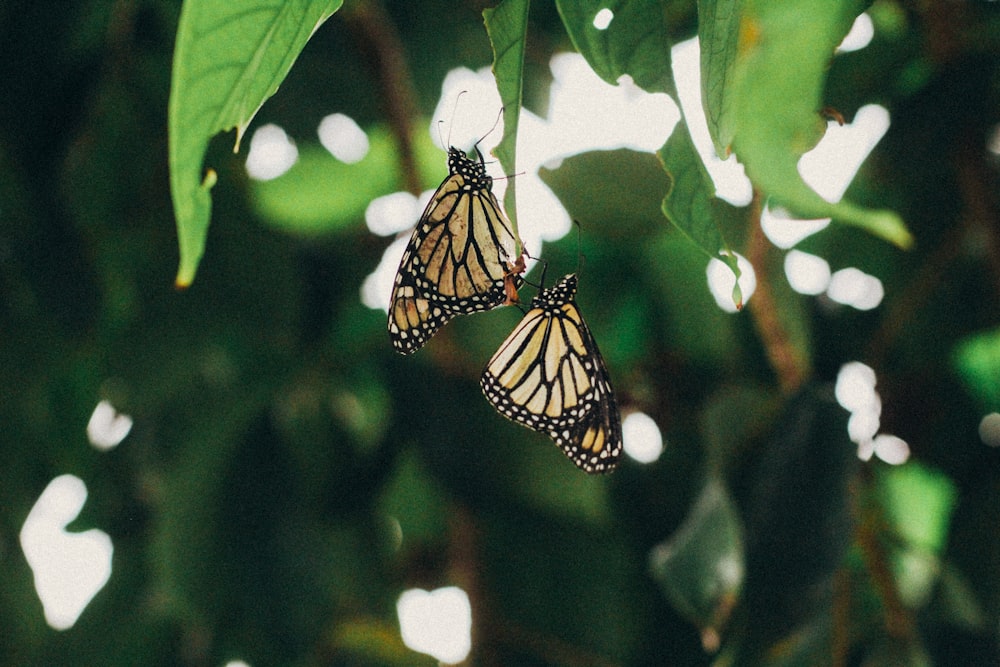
(288, 475)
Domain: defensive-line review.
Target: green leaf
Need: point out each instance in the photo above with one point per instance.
(959, 600)
(977, 360)
(507, 26)
(413, 499)
(918, 504)
(228, 59)
(630, 203)
(796, 509)
(718, 25)
(700, 567)
(637, 41)
(691, 204)
(765, 69)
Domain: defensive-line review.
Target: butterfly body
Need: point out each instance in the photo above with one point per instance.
(549, 375)
(458, 260)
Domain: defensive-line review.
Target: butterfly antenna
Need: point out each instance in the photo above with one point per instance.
(507, 177)
(496, 123)
(454, 112)
(581, 259)
(441, 136)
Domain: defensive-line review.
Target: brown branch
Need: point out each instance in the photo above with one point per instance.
(840, 643)
(382, 47)
(789, 364)
(464, 569)
(980, 203)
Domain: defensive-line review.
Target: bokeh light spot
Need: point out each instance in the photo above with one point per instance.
(855, 388)
(785, 231)
(729, 177)
(641, 437)
(343, 137)
(989, 429)
(107, 427)
(69, 568)
(807, 274)
(853, 287)
(603, 19)
(438, 623)
(376, 288)
(394, 213)
(831, 166)
(993, 142)
(860, 35)
(891, 449)
(272, 153)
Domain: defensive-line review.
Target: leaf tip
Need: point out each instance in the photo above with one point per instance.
(211, 178)
(891, 227)
(737, 295)
(905, 240)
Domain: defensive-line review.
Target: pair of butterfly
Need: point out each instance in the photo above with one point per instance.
(548, 374)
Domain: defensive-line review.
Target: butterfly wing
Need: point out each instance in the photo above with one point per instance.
(458, 260)
(549, 376)
(413, 319)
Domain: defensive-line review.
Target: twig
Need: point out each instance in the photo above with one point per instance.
(898, 622)
(840, 643)
(378, 39)
(789, 364)
(464, 569)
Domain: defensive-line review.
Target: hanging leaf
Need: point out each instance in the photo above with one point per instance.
(507, 26)
(764, 69)
(700, 567)
(228, 59)
(636, 42)
(691, 204)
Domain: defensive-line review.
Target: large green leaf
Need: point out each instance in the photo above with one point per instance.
(507, 26)
(636, 42)
(691, 204)
(765, 66)
(228, 59)
(718, 22)
(700, 567)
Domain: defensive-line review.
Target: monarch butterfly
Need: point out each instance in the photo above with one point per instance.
(458, 260)
(549, 376)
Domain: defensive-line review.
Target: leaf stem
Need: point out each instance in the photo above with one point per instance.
(790, 366)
